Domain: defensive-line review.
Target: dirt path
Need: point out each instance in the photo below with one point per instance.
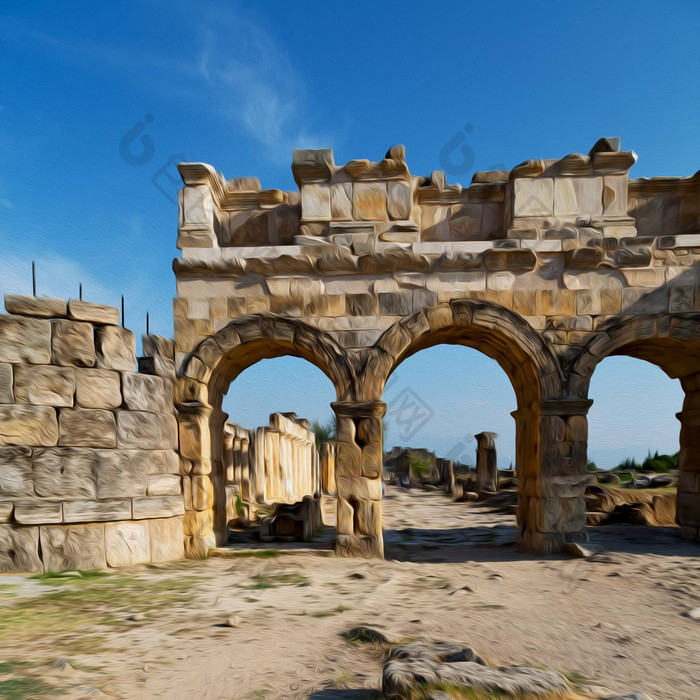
(617, 619)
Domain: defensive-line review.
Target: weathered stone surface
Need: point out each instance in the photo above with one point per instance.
(115, 348)
(28, 425)
(146, 430)
(44, 385)
(93, 313)
(402, 677)
(16, 471)
(97, 388)
(534, 197)
(399, 200)
(6, 509)
(315, 203)
(127, 543)
(158, 507)
(143, 392)
(121, 473)
(369, 201)
(38, 511)
(164, 485)
(83, 427)
(72, 343)
(25, 340)
(6, 392)
(96, 511)
(19, 550)
(65, 547)
(167, 539)
(64, 472)
(40, 307)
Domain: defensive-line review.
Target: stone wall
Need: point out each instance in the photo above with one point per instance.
(272, 464)
(89, 472)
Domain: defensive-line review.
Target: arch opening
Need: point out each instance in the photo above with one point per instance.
(449, 450)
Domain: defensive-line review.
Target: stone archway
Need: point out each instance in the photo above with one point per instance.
(673, 344)
(551, 509)
(205, 376)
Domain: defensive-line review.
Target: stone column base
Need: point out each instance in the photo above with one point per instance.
(360, 546)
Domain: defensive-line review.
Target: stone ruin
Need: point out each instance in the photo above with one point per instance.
(89, 468)
(548, 268)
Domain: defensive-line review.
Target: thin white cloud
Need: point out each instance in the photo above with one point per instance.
(236, 68)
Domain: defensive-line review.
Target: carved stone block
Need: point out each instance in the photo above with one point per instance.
(16, 472)
(40, 307)
(369, 201)
(64, 472)
(6, 392)
(72, 343)
(25, 340)
(140, 429)
(121, 473)
(19, 550)
(44, 385)
(158, 507)
(167, 539)
(65, 547)
(97, 388)
(143, 392)
(93, 313)
(83, 427)
(164, 485)
(127, 544)
(116, 348)
(96, 511)
(534, 197)
(28, 425)
(315, 203)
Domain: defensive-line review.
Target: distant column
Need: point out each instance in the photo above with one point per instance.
(486, 462)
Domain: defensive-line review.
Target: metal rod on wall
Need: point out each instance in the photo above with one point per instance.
(147, 324)
(33, 278)
(80, 292)
(123, 326)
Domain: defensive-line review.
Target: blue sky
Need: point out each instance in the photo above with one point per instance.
(239, 85)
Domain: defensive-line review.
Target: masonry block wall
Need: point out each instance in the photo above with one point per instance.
(89, 472)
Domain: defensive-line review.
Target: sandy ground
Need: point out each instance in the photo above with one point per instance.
(616, 621)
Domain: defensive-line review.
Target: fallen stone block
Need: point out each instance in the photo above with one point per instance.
(402, 677)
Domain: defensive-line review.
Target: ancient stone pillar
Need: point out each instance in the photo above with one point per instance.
(229, 440)
(551, 469)
(486, 462)
(195, 450)
(359, 478)
(246, 491)
(258, 470)
(688, 497)
(328, 468)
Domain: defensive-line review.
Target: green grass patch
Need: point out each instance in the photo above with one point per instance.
(21, 688)
(68, 576)
(256, 554)
(262, 581)
(69, 613)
